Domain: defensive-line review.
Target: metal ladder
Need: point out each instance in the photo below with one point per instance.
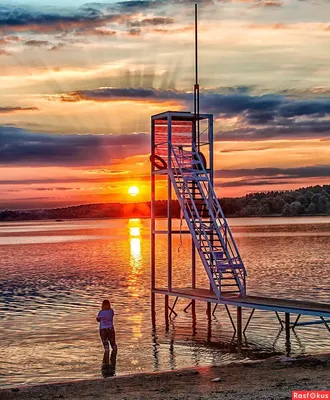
(206, 222)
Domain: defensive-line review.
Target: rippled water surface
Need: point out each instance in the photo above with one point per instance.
(54, 275)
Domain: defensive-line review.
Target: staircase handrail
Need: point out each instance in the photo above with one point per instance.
(219, 210)
(201, 230)
(215, 210)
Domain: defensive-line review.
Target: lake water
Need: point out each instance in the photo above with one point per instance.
(54, 275)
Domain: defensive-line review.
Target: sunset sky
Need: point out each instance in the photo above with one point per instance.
(79, 82)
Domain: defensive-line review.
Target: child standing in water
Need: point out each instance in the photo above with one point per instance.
(107, 330)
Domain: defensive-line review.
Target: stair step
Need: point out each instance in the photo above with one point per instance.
(228, 280)
(227, 272)
(225, 277)
(225, 285)
(232, 276)
(232, 267)
(230, 291)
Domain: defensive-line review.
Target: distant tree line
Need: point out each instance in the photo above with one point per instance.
(313, 200)
(101, 210)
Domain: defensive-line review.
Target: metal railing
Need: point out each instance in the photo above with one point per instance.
(191, 216)
(187, 166)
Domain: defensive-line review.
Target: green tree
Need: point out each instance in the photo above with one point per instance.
(296, 208)
(286, 210)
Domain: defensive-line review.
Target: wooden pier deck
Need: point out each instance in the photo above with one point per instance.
(252, 302)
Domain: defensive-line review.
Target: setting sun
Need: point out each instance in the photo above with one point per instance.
(133, 191)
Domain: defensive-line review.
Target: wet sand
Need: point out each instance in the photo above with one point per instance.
(270, 379)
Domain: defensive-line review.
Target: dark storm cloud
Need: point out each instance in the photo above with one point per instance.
(138, 4)
(52, 181)
(315, 171)
(256, 109)
(56, 181)
(37, 43)
(14, 18)
(317, 108)
(262, 109)
(270, 176)
(266, 117)
(10, 110)
(20, 147)
(96, 32)
(20, 19)
(259, 110)
(152, 22)
(111, 94)
(47, 189)
(141, 5)
(244, 149)
(251, 182)
(235, 104)
(286, 129)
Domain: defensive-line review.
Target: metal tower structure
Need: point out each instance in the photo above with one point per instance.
(189, 173)
(176, 144)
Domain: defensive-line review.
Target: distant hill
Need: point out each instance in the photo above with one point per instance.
(313, 200)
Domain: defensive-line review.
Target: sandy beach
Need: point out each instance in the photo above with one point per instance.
(269, 379)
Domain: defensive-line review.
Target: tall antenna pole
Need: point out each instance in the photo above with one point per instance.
(196, 86)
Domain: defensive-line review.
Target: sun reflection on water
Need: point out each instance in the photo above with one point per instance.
(135, 255)
(135, 245)
(134, 231)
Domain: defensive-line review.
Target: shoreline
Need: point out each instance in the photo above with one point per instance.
(61, 220)
(272, 378)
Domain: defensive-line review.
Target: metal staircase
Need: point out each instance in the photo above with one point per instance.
(207, 224)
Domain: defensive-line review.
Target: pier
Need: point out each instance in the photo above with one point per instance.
(184, 159)
(279, 306)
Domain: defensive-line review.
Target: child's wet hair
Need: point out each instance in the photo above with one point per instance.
(106, 305)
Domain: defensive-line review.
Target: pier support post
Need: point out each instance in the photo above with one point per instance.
(155, 349)
(193, 278)
(239, 326)
(167, 325)
(193, 316)
(194, 320)
(287, 326)
(209, 322)
(208, 310)
(153, 309)
(287, 334)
